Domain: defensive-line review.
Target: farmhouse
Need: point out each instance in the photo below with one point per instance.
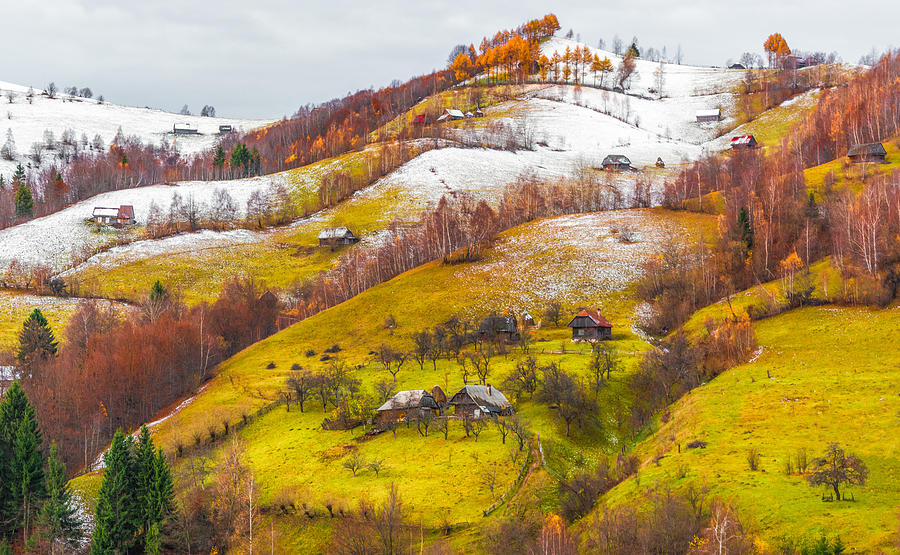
(184, 129)
(225, 129)
(451, 114)
(501, 328)
(743, 141)
(617, 162)
(736, 66)
(590, 325)
(708, 115)
(870, 152)
(410, 404)
(336, 236)
(477, 401)
(119, 217)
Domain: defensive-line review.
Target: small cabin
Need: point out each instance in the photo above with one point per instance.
(743, 142)
(479, 113)
(118, 217)
(590, 325)
(223, 129)
(184, 129)
(708, 115)
(336, 236)
(616, 162)
(870, 152)
(736, 66)
(451, 114)
(408, 405)
(479, 401)
(500, 328)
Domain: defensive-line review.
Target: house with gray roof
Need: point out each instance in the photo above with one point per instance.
(478, 401)
(410, 404)
(337, 236)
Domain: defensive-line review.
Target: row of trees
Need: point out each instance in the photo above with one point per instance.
(117, 370)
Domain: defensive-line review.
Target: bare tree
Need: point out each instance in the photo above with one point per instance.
(836, 468)
(376, 466)
(354, 462)
(301, 383)
(185, 111)
(223, 208)
(490, 478)
(51, 90)
(208, 111)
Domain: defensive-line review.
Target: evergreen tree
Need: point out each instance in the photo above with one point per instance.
(118, 514)
(36, 338)
(19, 175)
(24, 201)
(745, 230)
(157, 292)
(144, 460)
(633, 51)
(21, 462)
(219, 158)
(162, 492)
(58, 516)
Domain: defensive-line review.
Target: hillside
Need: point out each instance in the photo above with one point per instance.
(87, 118)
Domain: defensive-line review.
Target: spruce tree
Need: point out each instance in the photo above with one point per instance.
(219, 158)
(24, 201)
(19, 175)
(745, 230)
(21, 462)
(144, 459)
(58, 516)
(36, 338)
(118, 514)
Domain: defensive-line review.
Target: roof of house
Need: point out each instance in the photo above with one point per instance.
(454, 113)
(497, 324)
(872, 149)
(616, 159)
(419, 118)
(593, 316)
(736, 66)
(709, 113)
(184, 126)
(487, 398)
(126, 211)
(409, 399)
(101, 211)
(742, 140)
(335, 233)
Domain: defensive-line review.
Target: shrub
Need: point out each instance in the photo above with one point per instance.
(270, 366)
(753, 458)
(310, 353)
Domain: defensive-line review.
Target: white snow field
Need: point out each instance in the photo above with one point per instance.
(83, 116)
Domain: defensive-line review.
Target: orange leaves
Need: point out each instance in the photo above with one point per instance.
(776, 47)
(462, 67)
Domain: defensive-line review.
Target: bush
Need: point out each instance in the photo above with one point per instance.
(753, 459)
(333, 349)
(310, 353)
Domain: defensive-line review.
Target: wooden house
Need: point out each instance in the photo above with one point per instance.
(869, 152)
(590, 325)
(336, 236)
(736, 66)
(117, 217)
(500, 328)
(184, 129)
(451, 114)
(223, 129)
(407, 405)
(616, 162)
(708, 115)
(478, 401)
(743, 142)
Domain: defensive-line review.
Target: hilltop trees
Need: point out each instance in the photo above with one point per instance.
(777, 50)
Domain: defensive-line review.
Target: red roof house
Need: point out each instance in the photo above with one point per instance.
(744, 141)
(590, 325)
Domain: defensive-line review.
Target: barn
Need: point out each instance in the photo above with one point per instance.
(590, 325)
(869, 152)
(184, 129)
(501, 328)
(616, 162)
(477, 401)
(708, 115)
(336, 236)
(452, 114)
(409, 404)
(743, 142)
(118, 217)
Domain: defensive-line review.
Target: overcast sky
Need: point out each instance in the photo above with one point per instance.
(265, 58)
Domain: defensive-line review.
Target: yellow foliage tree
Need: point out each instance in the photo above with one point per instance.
(777, 49)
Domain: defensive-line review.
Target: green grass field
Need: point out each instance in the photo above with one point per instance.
(824, 375)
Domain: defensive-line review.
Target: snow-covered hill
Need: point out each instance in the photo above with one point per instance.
(87, 118)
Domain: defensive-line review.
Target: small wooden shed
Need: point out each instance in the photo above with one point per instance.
(184, 129)
(117, 217)
(708, 115)
(501, 328)
(409, 404)
(616, 162)
(743, 142)
(869, 152)
(590, 325)
(336, 236)
(478, 401)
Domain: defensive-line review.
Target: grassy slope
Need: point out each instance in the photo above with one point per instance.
(852, 175)
(290, 452)
(832, 379)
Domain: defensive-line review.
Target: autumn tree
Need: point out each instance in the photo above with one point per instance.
(836, 468)
(777, 49)
(462, 67)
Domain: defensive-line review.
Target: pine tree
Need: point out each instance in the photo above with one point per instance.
(19, 175)
(24, 201)
(58, 515)
(162, 499)
(21, 462)
(145, 461)
(36, 338)
(118, 514)
(745, 230)
(219, 158)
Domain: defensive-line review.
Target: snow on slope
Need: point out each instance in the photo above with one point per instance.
(88, 117)
(58, 239)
